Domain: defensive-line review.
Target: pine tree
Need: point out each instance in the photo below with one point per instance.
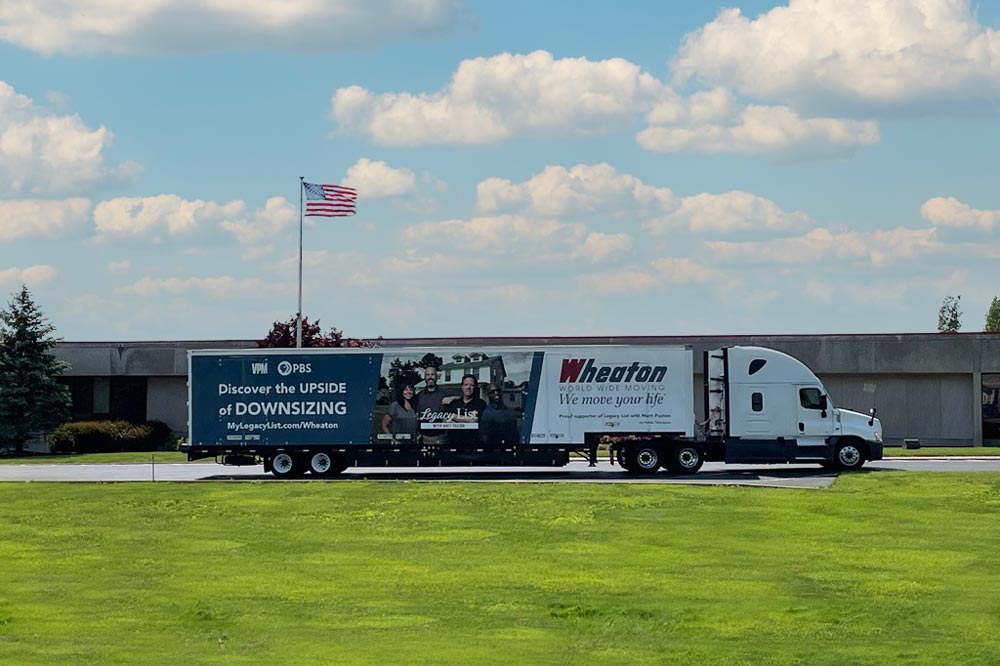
(32, 399)
(993, 316)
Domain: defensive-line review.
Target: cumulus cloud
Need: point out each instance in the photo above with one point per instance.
(873, 52)
(497, 235)
(31, 218)
(877, 248)
(375, 179)
(660, 273)
(950, 212)
(217, 287)
(489, 99)
(127, 217)
(732, 211)
(183, 26)
(44, 153)
(33, 276)
(123, 266)
(763, 129)
(582, 188)
(275, 217)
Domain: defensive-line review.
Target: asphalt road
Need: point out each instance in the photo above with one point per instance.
(785, 476)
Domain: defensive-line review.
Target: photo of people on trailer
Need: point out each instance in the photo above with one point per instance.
(459, 399)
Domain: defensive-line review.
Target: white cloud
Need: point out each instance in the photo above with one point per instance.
(620, 281)
(582, 188)
(489, 99)
(167, 213)
(183, 26)
(763, 129)
(512, 235)
(42, 153)
(27, 218)
(661, 274)
(216, 287)
(876, 248)
(375, 180)
(123, 266)
(598, 246)
(33, 276)
(949, 212)
(673, 270)
(732, 211)
(276, 216)
(882, 52)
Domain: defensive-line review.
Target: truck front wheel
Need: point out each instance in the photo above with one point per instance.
(685, 460)
(850, 456)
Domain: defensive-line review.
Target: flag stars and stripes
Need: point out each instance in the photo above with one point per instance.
(330, 200)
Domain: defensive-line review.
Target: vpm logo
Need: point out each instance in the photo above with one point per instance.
(258, 368)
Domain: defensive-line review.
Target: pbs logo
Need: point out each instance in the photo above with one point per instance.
(286, 368)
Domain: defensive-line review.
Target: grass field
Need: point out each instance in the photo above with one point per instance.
(883, 568)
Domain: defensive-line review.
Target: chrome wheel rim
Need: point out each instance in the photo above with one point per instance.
(282, 463)
(849, 455)
(687, 458)
(320, 463)
(647, 459)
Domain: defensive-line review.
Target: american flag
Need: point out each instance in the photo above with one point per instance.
(330, 200)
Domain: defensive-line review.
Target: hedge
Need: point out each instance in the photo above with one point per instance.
(108, 436)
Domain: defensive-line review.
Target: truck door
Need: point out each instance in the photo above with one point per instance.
(815, 416)
(755, 424)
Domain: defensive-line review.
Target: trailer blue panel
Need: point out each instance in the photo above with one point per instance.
(285, 399)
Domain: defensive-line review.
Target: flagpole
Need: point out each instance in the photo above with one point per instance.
(298, 316)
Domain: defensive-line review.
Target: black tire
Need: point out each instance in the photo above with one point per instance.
(320, 464)
(644, 459)
(685, 459)
(285, 465)
(850, 456)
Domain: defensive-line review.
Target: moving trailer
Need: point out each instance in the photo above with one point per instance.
(320, 411)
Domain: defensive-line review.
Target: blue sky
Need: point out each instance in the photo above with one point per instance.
(523, 168)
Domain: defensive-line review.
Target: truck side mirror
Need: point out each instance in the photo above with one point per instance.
(871, 413)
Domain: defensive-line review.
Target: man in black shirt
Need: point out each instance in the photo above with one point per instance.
(466, 410)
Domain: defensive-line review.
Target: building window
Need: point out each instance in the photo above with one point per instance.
(991, 408)
(757, 402)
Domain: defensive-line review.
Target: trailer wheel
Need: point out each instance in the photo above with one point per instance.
(850, 456)
(686, 460)
(284, 466)
(320, 464)
(643, 459)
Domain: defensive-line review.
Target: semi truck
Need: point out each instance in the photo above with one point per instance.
(321, 411)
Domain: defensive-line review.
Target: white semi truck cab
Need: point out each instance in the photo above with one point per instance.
(766, 406)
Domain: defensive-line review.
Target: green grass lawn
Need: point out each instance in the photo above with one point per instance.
(95, 458)
(883, 568)
(978, 451)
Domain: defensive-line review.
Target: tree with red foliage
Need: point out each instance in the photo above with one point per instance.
(282, 334)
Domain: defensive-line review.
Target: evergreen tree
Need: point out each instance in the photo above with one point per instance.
(32, 399)
(993, 316)
(950, 316)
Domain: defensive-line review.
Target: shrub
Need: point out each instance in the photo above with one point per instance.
(160, 436)
(100, 437)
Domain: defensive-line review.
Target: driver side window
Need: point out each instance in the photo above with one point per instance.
(811, 398)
